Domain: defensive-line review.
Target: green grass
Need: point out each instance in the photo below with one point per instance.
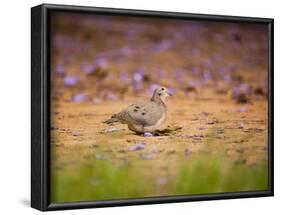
(103, 180)
(217, 175)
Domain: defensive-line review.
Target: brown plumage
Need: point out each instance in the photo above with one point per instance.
(144, 116)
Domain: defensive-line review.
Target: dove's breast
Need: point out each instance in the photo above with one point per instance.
(156, 125)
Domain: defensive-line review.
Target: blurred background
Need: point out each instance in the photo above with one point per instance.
(97, 58)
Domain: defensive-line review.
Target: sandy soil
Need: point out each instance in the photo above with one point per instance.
(207, 127)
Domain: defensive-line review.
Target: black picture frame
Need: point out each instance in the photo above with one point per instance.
(40, 108)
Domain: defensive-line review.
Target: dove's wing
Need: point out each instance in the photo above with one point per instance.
(143, 113)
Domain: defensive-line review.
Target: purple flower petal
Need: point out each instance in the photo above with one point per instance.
(242, 110)
(136, 147)
(222, 70)
(162, 45)
(231, 67)
(161, 73)
(152, 87)
(126, 50)
(147, 134)
(179, 73)
(79, 98)
(88, 68)
(76, 134)
(172, 90)
(207, 76)
(227, 78)
(242, 92)
(216, 57)
(102, 62)
(70, 81)
(111, 96)
(137, 86)
(124, 77)
(60, 71)
(207, 63)
(138, 78)
(195, 70)
(96, 101)
(192, 85)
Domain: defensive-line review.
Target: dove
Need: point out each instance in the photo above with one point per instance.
(142, 117)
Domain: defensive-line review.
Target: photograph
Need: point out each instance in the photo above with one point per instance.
(146, 106)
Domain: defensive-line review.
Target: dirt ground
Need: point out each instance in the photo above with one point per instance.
(218, 73)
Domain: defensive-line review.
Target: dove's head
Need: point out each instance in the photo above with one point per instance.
(160, 94)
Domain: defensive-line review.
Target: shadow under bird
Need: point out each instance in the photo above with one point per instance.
(146, 116)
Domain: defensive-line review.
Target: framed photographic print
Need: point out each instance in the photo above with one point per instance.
(140, 107)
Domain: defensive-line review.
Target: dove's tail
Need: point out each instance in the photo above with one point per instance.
(113, 119)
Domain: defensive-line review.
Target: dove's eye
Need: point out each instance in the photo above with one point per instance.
(162, 88)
